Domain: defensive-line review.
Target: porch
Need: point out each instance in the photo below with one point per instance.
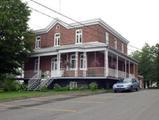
(82, 64)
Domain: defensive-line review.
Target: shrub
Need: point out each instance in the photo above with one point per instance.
(83, 87)
(57, 87)
(93, 86)
(9, 85)
(43, 89)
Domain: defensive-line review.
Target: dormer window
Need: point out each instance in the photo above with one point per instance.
(37, 42)
(78, 36)
(56, 39)
(107, 38)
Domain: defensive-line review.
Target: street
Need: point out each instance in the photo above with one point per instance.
(142, 105)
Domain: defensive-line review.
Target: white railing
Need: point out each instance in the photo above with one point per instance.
(112, 72)
(131, 75)
(121, 74)
(34, 81)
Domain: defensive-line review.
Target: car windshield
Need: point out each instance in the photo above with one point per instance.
(126, 80)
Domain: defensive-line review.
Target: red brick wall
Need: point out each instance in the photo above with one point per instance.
(90, 34)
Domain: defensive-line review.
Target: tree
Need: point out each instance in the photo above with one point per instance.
(146, 60)
(15, 37)
(157, 63)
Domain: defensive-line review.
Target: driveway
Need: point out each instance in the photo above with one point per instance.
(142, 105)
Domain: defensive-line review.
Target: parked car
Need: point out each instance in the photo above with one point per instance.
(128, 84)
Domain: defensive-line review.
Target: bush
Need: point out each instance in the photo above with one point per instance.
(57, 87)
(10, 85)
(44, 89)
(93, 86)
(83, 87)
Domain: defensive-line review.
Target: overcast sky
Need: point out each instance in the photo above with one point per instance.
(136, 20)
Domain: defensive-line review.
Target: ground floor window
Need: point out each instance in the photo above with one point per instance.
(72, 62)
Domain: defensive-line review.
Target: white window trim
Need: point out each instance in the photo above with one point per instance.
(56, 39)
(35, 65)
(115, 43)
(37, 41)
(84, 66)
(71, 62)
(80, 35)
(107, 38)
(54, 59)
(122, 47)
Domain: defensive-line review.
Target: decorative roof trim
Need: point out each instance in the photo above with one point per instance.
(82, 24)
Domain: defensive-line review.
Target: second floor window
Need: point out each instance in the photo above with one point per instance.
(115, 43)
(37, 42)
(56, 39)
(79, 36)
(122, 47)
(107, 38)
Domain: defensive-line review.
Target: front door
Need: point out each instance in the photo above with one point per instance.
(54, 69)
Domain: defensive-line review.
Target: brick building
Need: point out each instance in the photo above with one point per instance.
(89, 50)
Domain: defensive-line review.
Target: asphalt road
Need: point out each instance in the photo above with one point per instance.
(142, 105)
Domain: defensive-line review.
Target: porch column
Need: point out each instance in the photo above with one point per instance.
(129, 68)
(59, 61)
(125, 68)
(76, 64)
(134, 69)
(39, 72)
(67, 59)
(117, 66)
(85, 64)
(106, 69)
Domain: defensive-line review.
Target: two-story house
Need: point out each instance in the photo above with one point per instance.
(89, 50)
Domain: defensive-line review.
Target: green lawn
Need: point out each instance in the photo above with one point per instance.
(8, 96)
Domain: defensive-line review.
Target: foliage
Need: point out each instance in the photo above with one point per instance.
(93, 86)
(44, 89)
(148, 59)
(57, 87)
(83, 87)
(15, 37)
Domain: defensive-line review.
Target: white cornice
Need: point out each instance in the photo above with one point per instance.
(82, 24)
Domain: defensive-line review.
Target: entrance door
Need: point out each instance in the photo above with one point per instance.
(54, 69)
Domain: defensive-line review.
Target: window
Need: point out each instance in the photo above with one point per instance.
(79, 36)
(122, 47)
(37, 42)
(72, 62)
(82, 62)
(107, 38)
(56, 39)
(54, 64)
(36, 65)
(115, 43)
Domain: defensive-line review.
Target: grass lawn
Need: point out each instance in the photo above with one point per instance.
(8, 96)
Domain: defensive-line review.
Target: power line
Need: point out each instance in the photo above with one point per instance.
(68, 18)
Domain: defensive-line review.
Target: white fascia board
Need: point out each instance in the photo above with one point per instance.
(103, 24)
(44, 54)
(50, 26)
(82, 24)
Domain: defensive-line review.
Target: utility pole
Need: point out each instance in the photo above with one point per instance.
(59, 5)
